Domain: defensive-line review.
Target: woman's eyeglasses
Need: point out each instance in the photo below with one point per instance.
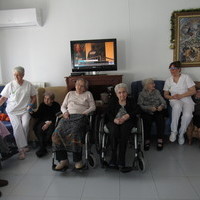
(173, 68)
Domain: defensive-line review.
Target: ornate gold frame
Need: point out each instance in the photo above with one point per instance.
(187, 38)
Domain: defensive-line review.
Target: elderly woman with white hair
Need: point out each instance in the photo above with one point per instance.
(69, 134)
(152, 105)
(20, 95)
(121, 118)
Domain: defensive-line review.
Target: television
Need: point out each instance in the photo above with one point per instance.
(94, 55)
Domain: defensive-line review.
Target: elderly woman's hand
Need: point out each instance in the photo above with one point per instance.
(122, 119)
(66, 115)
(160, 108)
(117, 120)
(153, 109)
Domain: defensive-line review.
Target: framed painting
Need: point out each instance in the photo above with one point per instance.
(187, 38)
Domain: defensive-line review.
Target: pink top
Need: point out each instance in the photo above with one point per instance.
(3, 130)
(76, 103)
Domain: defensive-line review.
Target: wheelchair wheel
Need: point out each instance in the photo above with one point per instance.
(140, 133)
(92, 160)
(98, 133)
(139, 164)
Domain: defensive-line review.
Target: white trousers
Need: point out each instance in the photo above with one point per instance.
(20, 124)
(186, 109)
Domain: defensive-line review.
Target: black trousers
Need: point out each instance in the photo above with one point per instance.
(148, 119)
(44, 137)
(119, 138)
(62, 155)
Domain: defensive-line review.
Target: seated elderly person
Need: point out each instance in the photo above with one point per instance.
(69, 134)
(152, 105)
(45, 124)
(121, 118)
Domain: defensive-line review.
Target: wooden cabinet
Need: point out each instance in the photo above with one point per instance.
(97, 83)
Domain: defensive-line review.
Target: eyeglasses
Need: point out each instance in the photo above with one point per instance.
(173, 68)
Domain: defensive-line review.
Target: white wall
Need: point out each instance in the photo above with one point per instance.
(142, 28)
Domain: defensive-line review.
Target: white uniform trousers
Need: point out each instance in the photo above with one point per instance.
(20, 124)
(186, 109)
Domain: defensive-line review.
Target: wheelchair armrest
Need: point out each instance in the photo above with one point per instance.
(91, 116)
(59, 114)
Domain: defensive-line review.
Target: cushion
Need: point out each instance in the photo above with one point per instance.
(3, 106)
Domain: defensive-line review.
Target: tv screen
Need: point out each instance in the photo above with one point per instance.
(94, 55)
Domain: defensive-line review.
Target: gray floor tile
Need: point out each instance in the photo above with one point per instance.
(106, 186)
(195, 181)
(33, 185)
(137, 186)
(66, 185)
(171, 174)
(174, 188)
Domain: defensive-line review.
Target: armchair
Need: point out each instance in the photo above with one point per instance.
(136, 88)
(59, 91)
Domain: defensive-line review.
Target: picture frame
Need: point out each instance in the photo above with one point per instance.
(186, 38)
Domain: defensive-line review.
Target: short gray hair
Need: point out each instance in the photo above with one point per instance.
(145, 82)
(19, 69)
(85, 82)
(51, 95)
(121, 85)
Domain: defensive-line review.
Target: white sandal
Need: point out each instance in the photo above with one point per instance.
(21, 155)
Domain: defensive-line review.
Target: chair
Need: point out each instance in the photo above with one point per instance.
(90, 160)
(3, 110)
(60, 93)
(192, 132)
(136, 140)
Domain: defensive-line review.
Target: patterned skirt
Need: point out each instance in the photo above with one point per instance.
(69, 134)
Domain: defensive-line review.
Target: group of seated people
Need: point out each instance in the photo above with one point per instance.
(121, 115)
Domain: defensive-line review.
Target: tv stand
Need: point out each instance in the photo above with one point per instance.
(97, 84)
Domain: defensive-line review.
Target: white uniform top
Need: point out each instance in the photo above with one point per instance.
(18, 96)
(180, 87)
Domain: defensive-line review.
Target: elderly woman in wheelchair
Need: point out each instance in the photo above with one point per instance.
(71, 129)
(120, 119)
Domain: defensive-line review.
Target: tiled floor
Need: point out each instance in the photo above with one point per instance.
(171, 174)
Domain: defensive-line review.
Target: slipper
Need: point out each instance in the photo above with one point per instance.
(159, 146)
(147, 147)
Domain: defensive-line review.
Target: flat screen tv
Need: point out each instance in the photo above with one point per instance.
(94, 55)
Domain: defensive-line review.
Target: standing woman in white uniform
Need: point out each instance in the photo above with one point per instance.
(21, 96)
(178, 89)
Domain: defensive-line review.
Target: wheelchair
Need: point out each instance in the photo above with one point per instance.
(88, 157)
(135, 141)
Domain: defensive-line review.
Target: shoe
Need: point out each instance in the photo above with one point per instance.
(41, 152)
(79, 165)
(120, 167)
(172, 137)
(159, 146)
(3, 183)
(181, 139)
(21, 155)
(62, 165)
(5, 156)
(113, 163)
(147, 146)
